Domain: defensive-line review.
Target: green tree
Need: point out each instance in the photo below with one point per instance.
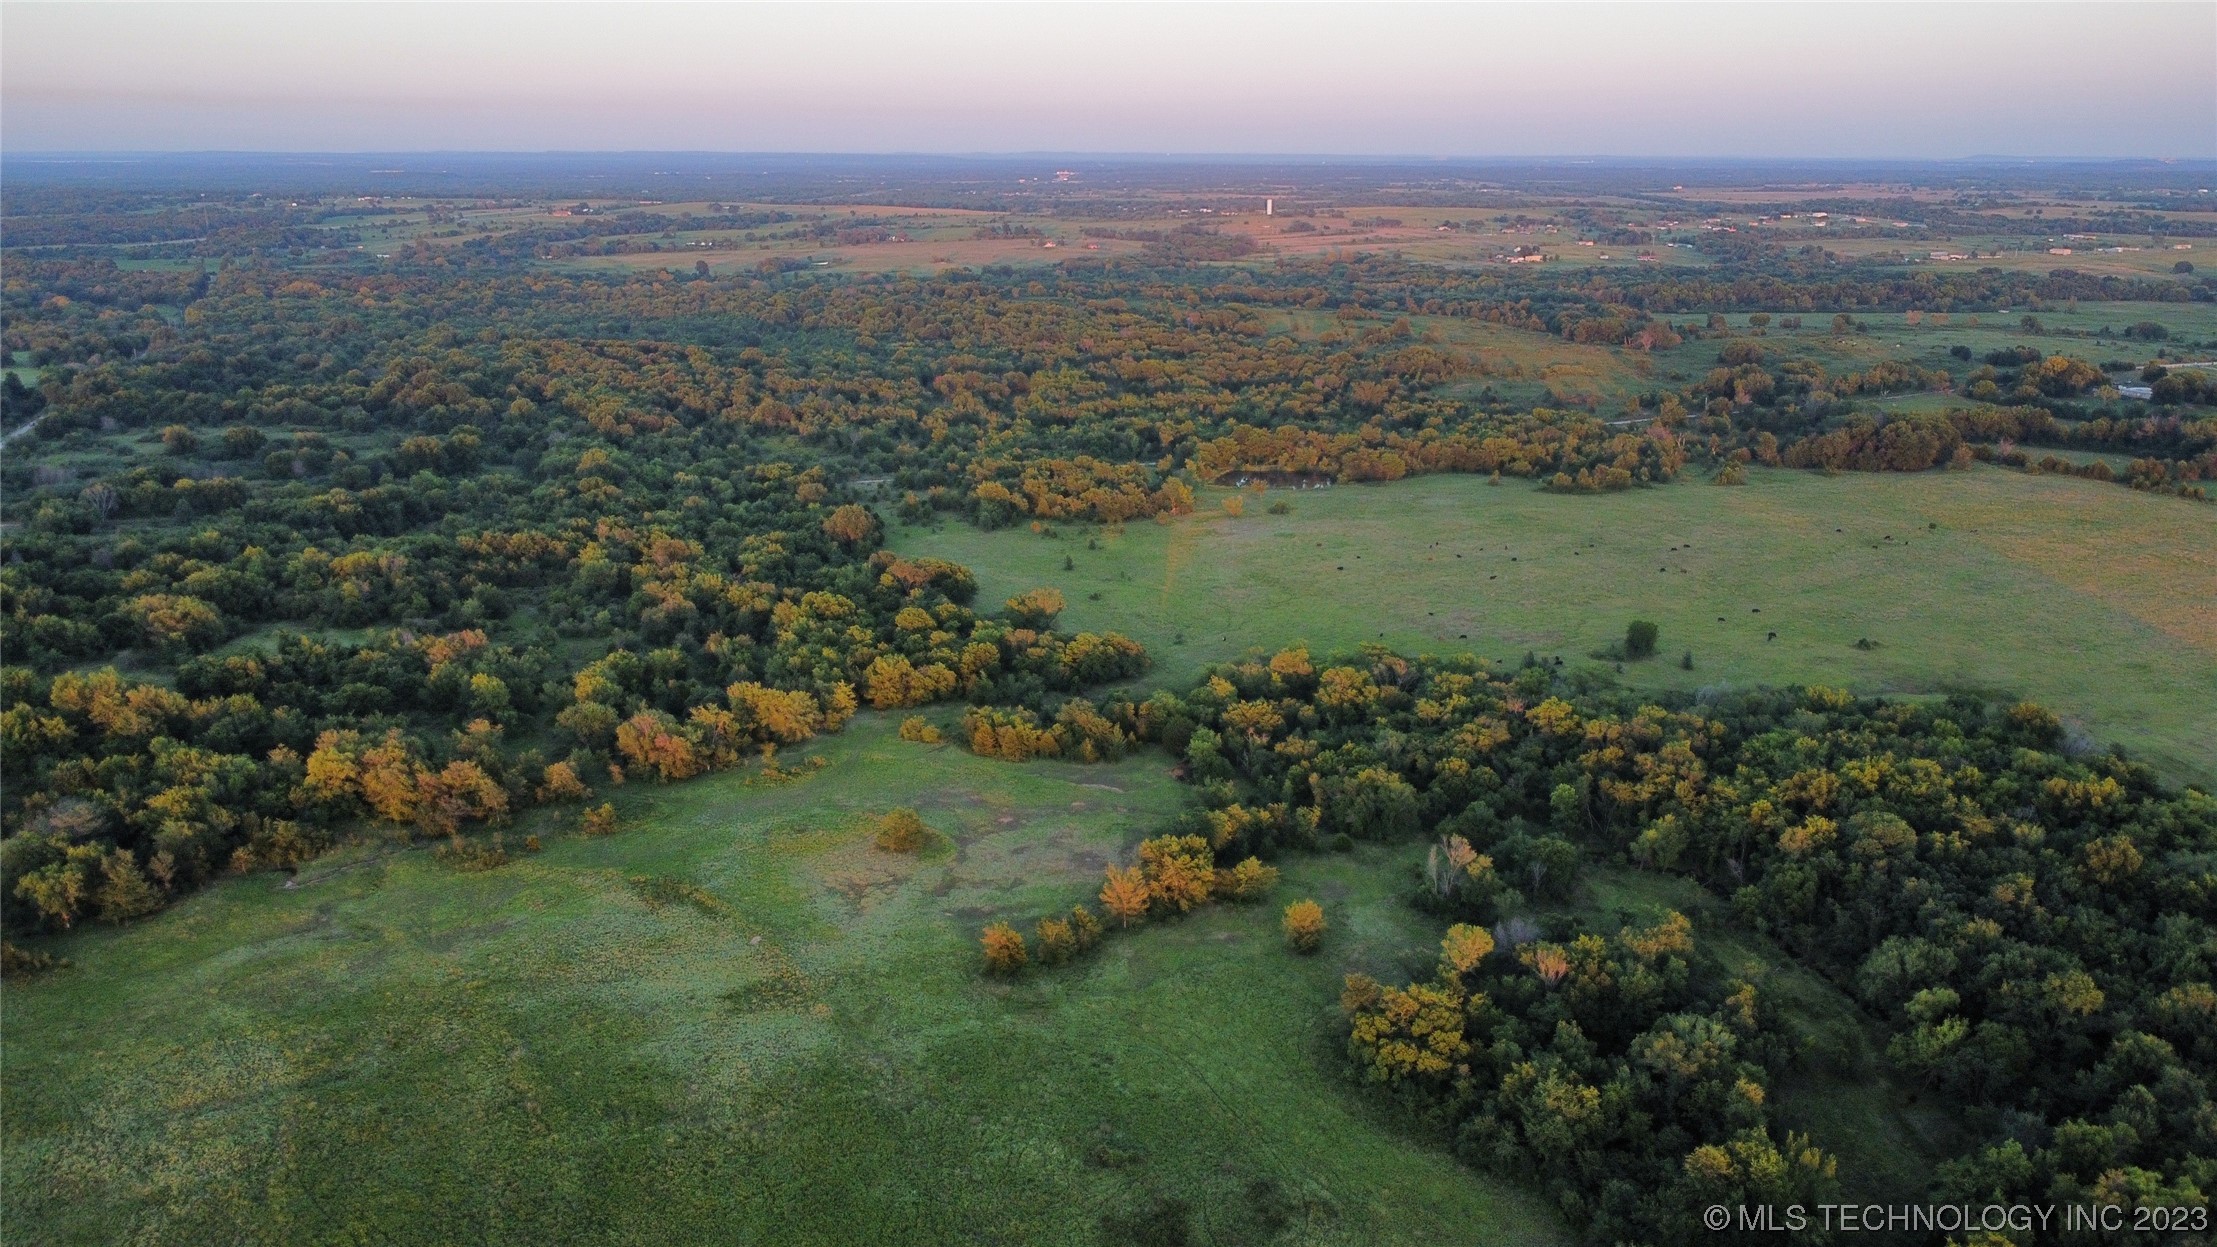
(1639, 638)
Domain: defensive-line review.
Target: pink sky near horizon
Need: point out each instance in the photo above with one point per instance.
(1652, 79)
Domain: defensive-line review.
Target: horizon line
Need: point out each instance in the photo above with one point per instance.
(60, 153)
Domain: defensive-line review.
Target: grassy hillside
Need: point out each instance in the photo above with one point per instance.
(2097, 600)
(732, 1021)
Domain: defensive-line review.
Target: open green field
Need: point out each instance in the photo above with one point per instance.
(2092, 598)
(733, 1021)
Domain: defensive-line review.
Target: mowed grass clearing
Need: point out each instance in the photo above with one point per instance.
(2094, 599)
(733, 1021)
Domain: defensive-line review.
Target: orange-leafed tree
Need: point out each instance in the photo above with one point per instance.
(1547, 961)
(1125, 894)
(1463, 948)
(851, 524)
(388, 777)
(333, 777)
(461, 792)
(1036, 608)
(559, 782)
(787, 716)
(651, 738)
(894, 682)
(1180, 871)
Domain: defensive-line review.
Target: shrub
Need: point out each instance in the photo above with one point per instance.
(471, 856)
(1639, 639)
(919, 729)
(1084, 928)
(1057, 942)
(1304, 926)
(1004, 949)
(559, 782)
(16, 962)
(599, 821)
(1248, 881)
(901, 831)
(1035, 608)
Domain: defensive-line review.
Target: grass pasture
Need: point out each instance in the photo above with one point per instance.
(2067, 331)
(733, 1021)
(1527, 366)
(2099, 601)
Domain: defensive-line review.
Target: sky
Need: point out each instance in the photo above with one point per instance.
(1655, 79)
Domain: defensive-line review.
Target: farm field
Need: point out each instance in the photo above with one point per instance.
(923, 255)
(1522, 365)
(732, 1019)
(2096, 600)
